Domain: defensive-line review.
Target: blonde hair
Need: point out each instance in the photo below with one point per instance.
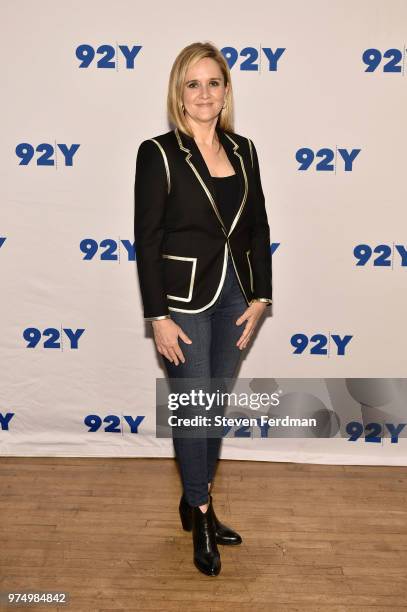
(189, 55)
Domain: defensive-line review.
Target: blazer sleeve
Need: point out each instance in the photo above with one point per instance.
(260, 240)
(150, 196)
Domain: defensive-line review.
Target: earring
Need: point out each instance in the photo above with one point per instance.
(183, 108)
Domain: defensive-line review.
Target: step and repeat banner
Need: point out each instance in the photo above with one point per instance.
(321, 89)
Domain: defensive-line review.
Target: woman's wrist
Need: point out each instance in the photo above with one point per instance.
(261, 300)
(160, 318)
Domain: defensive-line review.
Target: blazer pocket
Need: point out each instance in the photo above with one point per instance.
(250, 270)
(179, 274)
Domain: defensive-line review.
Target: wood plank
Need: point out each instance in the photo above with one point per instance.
(317, 538)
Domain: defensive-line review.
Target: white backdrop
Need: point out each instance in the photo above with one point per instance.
(58, 276)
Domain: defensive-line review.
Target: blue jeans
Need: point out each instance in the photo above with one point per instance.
(213, 353)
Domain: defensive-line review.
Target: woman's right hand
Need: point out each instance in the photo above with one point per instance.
(166, 334)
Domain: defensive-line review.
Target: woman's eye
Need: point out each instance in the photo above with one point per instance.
(192, 85)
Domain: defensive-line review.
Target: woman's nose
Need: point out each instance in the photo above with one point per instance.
(205, 91)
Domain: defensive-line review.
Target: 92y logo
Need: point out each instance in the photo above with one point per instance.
(321, 344)
(382, 255)
(253, 61)
(328, 159)
(55, 337)
(113, 423)
(355, 430)
(108, 249)
(109, 56)
(49, 153)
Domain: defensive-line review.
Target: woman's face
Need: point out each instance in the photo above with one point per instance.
(204, 90)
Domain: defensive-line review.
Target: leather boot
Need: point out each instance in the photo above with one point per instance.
(206, 554)
(185, 512)
(224, 535)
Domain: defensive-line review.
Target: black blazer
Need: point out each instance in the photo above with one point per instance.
(182, 246)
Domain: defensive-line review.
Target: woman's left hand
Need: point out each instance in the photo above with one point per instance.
(252, 315)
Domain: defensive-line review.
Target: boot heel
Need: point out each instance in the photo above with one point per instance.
(185, 513)
(186, 522)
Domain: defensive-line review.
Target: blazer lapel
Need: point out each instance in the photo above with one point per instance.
(232, 149)
(195, 160)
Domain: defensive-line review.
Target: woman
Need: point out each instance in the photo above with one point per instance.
(203, 258)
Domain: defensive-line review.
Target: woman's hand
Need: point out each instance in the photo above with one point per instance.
(252, 315)
(166, 334)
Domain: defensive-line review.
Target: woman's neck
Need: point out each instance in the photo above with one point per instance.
(204, 134)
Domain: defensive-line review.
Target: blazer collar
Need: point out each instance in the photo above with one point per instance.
(195, 160)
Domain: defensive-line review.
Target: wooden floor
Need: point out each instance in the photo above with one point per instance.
(316, 538)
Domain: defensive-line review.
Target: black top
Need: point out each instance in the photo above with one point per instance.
(227, 189)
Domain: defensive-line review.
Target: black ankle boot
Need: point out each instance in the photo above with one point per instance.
(206, 554)
(224, 535)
